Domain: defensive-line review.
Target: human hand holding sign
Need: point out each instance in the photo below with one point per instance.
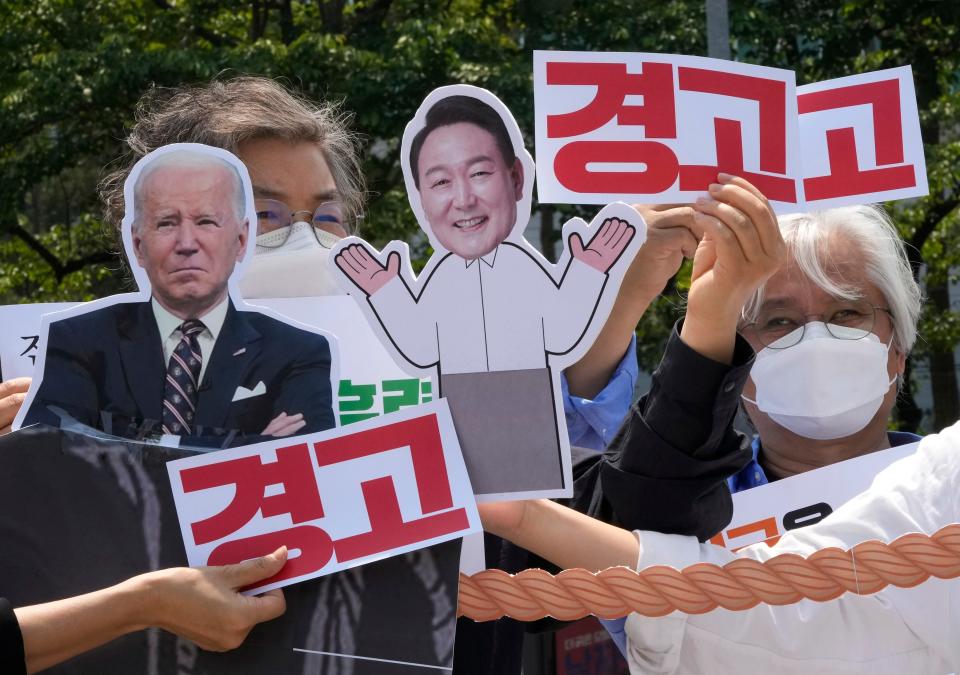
(366, 271)
(740, 249)
(605, 246)
(12, 394)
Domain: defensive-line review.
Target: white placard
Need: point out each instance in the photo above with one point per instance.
(337, 499)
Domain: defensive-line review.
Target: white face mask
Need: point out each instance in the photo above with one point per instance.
(299, 268)
(822, 387)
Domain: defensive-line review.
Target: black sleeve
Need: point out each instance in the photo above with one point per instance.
(667, 468)
(12, 658)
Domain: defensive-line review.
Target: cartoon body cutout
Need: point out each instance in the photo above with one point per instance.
(492, 318)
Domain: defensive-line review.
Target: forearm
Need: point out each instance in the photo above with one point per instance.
(714, 339)
(570, 539)
(56, 631)
(588, 376)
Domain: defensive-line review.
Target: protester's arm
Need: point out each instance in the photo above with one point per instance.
(594, 422)
(12, 394)
(200, 604)
(561, 535)
(670, 237)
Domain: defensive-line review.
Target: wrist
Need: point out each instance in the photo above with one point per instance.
(138, 604)
(714, 339)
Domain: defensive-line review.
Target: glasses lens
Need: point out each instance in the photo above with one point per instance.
(852, 321)
(272, 215)
(777, 328)
(329, 217)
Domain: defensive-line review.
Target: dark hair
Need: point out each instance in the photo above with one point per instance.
(456, 110)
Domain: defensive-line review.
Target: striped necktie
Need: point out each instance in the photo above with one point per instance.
(183, 375)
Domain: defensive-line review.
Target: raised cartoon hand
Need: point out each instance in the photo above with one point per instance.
(12, 394)
(740, 249)
(605, 246)
(366, 271)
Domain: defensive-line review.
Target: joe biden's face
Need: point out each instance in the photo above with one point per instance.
(189, 236)
(468, 191)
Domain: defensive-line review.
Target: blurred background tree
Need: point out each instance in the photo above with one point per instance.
(71, 72)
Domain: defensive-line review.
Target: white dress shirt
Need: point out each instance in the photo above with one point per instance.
(170, 335)
(902, 631)
(499, 312)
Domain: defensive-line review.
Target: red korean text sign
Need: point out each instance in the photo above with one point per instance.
(336, 499)
(659, 128)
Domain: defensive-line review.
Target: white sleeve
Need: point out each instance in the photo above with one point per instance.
(572, 305)
(893, 631)
(410, 324)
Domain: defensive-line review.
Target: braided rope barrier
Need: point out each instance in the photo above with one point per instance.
(740, 584)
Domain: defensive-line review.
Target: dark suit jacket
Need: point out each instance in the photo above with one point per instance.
(106, 369)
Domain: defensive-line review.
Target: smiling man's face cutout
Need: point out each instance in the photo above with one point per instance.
(468, 190)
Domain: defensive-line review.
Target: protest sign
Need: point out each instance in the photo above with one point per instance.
(79, 513)
(489, 318)
(861, 139)
(766, 512)
(339, 498)
(658, 128)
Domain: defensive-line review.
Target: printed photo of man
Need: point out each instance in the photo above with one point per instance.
(187, 362)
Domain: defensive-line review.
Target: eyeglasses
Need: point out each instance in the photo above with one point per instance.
(273, 214)
(857, 318)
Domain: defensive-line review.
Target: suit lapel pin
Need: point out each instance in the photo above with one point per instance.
(240, 351)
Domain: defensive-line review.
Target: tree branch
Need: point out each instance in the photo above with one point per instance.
(208, 35)
(936, 213)
(35, 245)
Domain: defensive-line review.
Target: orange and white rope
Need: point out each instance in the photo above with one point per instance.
(740, 584)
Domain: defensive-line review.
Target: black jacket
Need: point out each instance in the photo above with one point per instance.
(106, 369)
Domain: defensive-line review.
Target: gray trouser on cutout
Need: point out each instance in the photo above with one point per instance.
(507, 426)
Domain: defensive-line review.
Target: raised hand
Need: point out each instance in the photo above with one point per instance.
(672, 235)
(366, 271)
(740, 249)
(605, 246)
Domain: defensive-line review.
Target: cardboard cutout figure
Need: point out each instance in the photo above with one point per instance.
(184, 357)
(490, 318)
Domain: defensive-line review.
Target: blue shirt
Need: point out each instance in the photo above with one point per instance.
(592, 423)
